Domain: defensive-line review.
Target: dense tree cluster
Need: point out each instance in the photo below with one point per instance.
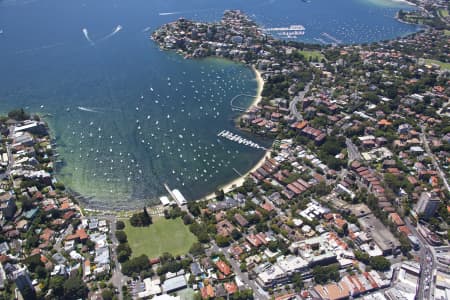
(18, 115)
(123, 249)
(135, 266)
(168, 263)
(141, 219)
(121, 236)
(200, 231)
(379, 263)
(197, 249)
(323, 274)
(71, 288)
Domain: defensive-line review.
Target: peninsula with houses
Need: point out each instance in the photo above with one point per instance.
(351, 201)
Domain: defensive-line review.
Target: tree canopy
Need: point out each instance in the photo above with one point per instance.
(141, 219)
(75, 288)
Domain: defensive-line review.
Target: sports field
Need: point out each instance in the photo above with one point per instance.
(443, 65)
(313, 54)
(164, 235)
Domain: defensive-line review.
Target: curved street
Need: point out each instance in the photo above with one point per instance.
(293, 104)
(424, 141)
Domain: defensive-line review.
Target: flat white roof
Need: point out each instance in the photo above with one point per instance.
(164, 200)
(24, 127)
(179, 197)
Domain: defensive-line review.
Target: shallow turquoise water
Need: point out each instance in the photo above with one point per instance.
(129, 117)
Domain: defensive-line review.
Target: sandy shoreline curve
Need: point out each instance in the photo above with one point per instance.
(259, 89)
(237, 182)
(405, 2)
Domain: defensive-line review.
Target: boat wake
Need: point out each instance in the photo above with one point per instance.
(115, 31)
(86, 35)
(184, 12)
(87, 109)
(169, 13)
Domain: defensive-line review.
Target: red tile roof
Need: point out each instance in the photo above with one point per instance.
(231, 287)
(82, 234)
(207, 292)
(223, 267)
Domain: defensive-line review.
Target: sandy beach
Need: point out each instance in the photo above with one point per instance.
(390, 2)
(405, 2)
(259, 89)
(235, 183)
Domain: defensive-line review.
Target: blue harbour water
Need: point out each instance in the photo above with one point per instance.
(128, 117)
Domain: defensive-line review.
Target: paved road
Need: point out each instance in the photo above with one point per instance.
(427, 266)
(117, 279)
(424, 141)
(258, 292)
(298, 98)
(353, 152)
(59, 242)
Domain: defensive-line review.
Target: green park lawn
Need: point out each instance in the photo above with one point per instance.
(313, 54)
(440, 63)
(164, 235)
(443, 12)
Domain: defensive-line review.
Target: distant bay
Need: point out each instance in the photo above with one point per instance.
(128, 117)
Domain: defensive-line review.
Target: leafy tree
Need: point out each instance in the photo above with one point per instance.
(220, 195)
(371, 97)
(75, 288)
(321, 188)
(60, 186)
(297, 280)
(41, 272)
(197, 249)
(120, 225)
(136, 265)
(324, 274)
(222, 241)
(187, 219)
(200, 231)
(18, 115)
(362, 256)
(33, 262)
(262, 227)
(405, 245)
(249, 184)
(345, 228)
(141, 219)
(243, 267)
(107, 294)
(273, 246)
(194, 208)
(121, 236)
(243, 295)
(380, 263)
(32, 241)
(123, 252)
(27, 204)
(57, 286)
(236, 234)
